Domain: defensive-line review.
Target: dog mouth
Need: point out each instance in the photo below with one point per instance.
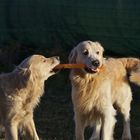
(53, 70)
(91, 70)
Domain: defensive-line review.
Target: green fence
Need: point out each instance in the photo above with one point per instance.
(48, 23)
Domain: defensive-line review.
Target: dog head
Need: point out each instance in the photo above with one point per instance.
(39, 66)
(88, 53)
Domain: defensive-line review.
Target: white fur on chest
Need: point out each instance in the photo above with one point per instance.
(91, 94)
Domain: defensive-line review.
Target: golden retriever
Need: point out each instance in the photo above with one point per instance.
(97, 87)
(20, 91)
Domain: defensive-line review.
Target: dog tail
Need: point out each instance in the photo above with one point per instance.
(135, 78)
(133, 68)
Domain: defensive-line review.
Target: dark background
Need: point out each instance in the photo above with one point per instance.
(62, 24)
(54, 27)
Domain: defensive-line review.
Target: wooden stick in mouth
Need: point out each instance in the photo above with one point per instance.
(70, 66)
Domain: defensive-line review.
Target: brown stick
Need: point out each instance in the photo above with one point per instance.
(69, 66)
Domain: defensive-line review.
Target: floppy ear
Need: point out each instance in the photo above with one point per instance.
(72, 56)
(99, 44)
(25, 74)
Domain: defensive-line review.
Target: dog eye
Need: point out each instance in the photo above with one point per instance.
(44, 60)
(85, 52)
(97, 52)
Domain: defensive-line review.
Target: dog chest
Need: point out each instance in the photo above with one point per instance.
(91, 94)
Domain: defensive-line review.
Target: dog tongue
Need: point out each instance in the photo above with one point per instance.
(97, 69)
(92, 68)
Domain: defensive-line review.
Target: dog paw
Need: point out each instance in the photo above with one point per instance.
(94, 138)
(126, 139)
(126, 136)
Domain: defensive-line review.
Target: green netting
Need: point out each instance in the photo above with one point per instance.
(115, 23)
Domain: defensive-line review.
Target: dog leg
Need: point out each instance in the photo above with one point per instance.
(31, 130)
(108, 123)
(125, 106)
(79, 127)
(96, 131)
(126, 124)
(2, 131)
(11, 132)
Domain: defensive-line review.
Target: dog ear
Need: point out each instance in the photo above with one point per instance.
(99, 44)
(25, 74)
(72, 56)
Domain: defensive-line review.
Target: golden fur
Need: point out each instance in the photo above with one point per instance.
(20, 91)
(95, 93)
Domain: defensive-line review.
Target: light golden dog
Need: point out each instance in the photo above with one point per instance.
(102, 84)
(20, 91)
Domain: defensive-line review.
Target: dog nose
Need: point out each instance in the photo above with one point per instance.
(96, 63)
(57, 57)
